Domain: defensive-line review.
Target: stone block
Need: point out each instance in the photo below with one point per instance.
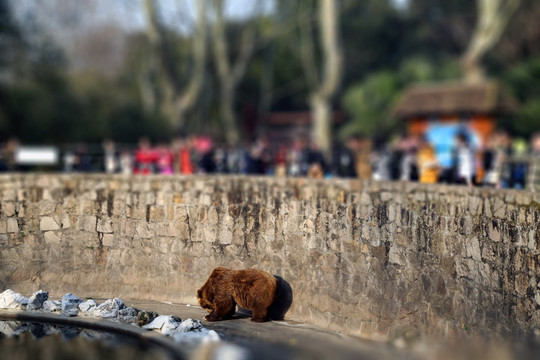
(157, 213)
(149, 199)
(170, 212)
(3, 227)
(163, 245)
(523, 198)
(213, 216)
(225, 237)
(499, 208)
(180, 213)
(161, 198)
(47, 207)
(166, 229)
(12, 300)
(8, 208)
(178, 199)
(475, 205)
(521, 284)
(395, 256)
(87, 223)
(88, 207)
(37, 299)
(43, 181)
(87, 308)
(51, 237)
(53, 306)
(9, 195)
(21, 210)
(70, 305)
(532, 240)
(128, 228)
(108, 240)
(182, 230)
(12, 226)
(105, 225)
(48, 223)
(494, 231)
(66, 223)
(473, 249)
(144, 230)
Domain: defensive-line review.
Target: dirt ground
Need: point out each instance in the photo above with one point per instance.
(280, 339)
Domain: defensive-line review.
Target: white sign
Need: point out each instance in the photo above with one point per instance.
(36, 155)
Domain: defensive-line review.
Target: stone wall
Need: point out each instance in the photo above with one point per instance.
(368, 259)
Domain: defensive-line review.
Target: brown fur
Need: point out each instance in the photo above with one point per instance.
(251, 289)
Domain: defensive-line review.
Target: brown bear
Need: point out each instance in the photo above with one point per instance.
(252, 289)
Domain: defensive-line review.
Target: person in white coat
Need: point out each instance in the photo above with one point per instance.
(465, 165)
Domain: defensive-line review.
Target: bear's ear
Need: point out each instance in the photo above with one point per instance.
(217, 271)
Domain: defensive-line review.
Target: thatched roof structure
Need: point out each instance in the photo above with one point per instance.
(295, 118)
(457, 98)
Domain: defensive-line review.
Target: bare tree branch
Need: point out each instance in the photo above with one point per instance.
(229, 74)
(307, 52)
(221, 53)
(199, 43)
(179, 98)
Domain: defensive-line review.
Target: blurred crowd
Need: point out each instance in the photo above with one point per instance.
(202, 155)
(502, 162)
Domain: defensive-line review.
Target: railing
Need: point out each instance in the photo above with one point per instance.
(530, 178)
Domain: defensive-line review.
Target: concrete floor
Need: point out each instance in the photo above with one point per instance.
(280, 339)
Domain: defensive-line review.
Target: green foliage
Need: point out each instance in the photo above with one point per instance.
(375, 42)
(56, 110)
(523, 81)
(367, 104)
(386, 49)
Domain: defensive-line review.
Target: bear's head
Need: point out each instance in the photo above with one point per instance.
(204, 300)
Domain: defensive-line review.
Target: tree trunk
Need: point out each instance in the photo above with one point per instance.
(232, 134)
(267, 83)
(147, 90)
(322, 123)
(331, 73)
(493, 15)
(229, 75)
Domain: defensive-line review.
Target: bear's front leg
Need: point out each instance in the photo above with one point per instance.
(223, 309)
(259, 314)
(211, 317)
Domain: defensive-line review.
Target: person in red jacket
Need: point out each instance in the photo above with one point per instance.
(183, 150)
(145, 158)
